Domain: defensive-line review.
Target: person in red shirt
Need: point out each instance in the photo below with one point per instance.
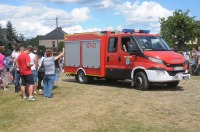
(24, 65)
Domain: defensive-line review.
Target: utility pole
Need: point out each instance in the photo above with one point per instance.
(57, 30)
(56, 22)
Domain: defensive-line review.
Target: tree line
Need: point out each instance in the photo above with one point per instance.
(9, 36)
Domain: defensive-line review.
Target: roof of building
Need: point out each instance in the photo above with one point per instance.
(57, 33)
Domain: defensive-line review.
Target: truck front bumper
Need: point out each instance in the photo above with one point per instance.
(163, 76)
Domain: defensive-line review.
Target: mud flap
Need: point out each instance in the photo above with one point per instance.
(132, 82)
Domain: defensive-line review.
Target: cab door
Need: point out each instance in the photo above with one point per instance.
(119, 62)
(112, 58)
(127, 44)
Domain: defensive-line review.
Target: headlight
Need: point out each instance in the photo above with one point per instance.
(155, 60)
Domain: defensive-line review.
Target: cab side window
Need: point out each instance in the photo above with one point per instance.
(112, 45)
(125, 44)
(128, 44)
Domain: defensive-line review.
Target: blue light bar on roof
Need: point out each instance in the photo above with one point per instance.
(145, 31)
(135, 31)
(128, 30)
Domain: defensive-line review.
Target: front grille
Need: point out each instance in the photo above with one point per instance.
(173, 65)
(173, 73)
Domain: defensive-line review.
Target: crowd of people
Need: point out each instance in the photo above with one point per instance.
(27, 68)
(192, 60)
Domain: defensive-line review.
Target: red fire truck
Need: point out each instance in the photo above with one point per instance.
(136, 55)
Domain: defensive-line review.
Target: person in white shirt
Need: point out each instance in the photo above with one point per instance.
(17, 73)
(34, 68)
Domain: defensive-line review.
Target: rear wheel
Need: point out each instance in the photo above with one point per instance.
(82, 78)
(140, 81)
(173, 84)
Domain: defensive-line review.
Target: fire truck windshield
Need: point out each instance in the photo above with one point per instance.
(152, 43)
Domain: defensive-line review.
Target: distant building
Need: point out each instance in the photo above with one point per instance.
(53, 38)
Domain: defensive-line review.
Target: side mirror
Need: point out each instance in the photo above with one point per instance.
(174, 49)
(135, 52)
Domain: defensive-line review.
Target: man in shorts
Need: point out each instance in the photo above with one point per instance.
(24, 65)
(34, 61)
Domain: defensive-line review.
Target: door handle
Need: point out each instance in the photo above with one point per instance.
(119, 59)
(108, 59)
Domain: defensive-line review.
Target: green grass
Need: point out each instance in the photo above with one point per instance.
(104, 107)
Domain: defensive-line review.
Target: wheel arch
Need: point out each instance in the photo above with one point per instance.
(80, 69)
(137, 69)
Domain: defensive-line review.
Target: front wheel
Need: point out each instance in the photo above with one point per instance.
(141, 82)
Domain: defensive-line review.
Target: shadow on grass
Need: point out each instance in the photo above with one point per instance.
(127, 85)
(165, 88)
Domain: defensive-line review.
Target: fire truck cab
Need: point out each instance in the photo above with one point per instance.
(136, 55)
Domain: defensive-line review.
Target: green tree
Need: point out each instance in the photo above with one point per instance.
(198, 31)
(11, 33)
(60, 45)
(33, 41)
(178, 29)
(21, 37)
(2, 40)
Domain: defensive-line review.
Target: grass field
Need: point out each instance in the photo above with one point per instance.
(104, 107)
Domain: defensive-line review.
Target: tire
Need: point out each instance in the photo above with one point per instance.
(82, 78)
(140, 81)
(173, 84)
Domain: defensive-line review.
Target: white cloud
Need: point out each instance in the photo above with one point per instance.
(154, 27)
(79, 29)
(80, 14)
(145, 15)
(39, 19)
(72, 1)
(104, 4)
(73, 29)
(146, 12)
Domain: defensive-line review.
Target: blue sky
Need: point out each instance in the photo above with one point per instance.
(37, 17)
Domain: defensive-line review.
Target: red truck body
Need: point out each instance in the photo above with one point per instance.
(102, 55)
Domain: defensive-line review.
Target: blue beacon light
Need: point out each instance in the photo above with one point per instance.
(135, 31)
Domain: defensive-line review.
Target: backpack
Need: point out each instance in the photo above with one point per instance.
(7, 62)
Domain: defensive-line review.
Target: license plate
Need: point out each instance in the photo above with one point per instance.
(179, 68)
